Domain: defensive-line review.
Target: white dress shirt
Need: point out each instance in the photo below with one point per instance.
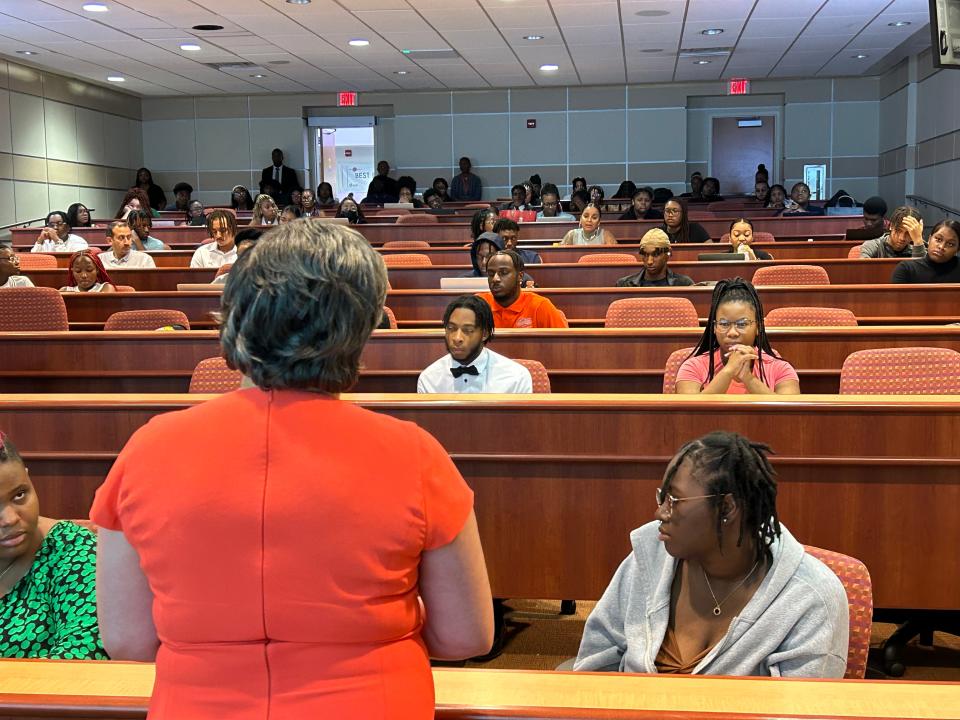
(495, 374)
(15, 281)
(133, 259)
(73, 243)
(209, 255)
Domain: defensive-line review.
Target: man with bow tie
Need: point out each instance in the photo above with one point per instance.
(469, 367)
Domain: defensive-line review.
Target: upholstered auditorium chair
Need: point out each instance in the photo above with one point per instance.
(37, 261)
(416, 219)
(391, 318)
(213, 376)
(854, 252)
(672, 367)
(406, 245)
(36, 309)
(791, 275)
(611, 258)
(538, 373)
(810, 317)
(406, 260)
(758, 237)
(901, 371)
(651, 313)
(146, 320)
(855, 578)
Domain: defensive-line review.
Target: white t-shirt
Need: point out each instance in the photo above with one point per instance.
(133, 259)
(73, 243)
(97, 287)
(15, 281)
(209, 255)
(495, 374)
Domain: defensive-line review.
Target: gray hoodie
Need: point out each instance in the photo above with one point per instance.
(796, 624)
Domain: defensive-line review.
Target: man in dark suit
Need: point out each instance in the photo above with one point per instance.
(283, 177)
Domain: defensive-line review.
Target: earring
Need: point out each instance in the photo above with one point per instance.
(725, 519)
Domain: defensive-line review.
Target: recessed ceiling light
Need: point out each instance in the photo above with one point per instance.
(859, 56)
(116, 78)
(651, 13)
(533, 37)
(258, 76)
(27, 52)
(95, 7)
(899, 23)
(299, 2)
(400, 72)
(359, 42)
(712, 31)
(207, 27)
(549, 68)
(190, 47)
(701, 62)
(652, 50)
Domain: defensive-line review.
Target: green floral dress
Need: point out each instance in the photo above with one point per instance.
(52, 611)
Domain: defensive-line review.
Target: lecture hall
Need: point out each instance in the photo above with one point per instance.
(457, 429)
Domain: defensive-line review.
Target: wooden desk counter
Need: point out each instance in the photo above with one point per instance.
(872, 303)
(95, 690)
(561, 480)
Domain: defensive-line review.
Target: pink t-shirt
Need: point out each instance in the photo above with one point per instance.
(775, 371)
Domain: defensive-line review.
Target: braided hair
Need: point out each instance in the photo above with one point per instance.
(8, 451)
(729, 463)
(735, 290)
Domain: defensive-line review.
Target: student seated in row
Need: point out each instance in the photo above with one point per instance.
(222, 227)
(589, 232)
(121, 254)
(903, 239)
(513, 308)
(940, 265)
(509, 232)
(734, 355)
(715, 585)
(655, 254)
(469, 366)
(10, 276)
(55, 236)
(741, 240)
(85, 273)
(48, 606)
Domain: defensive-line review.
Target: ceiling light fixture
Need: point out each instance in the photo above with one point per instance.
(27, 52)
(116, 78)
(701, 62)
(652, 50)
(95, 7)
(533, 37)
(258, 76)
(651, 13)
(859, 56)
(207, 27)
(899, 23)
(712, 31)
(299, 2)
(549, 68)
(358, 42)
(190, 47)
(400, 72)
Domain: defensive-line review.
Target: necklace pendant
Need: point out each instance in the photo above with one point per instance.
(716, 610)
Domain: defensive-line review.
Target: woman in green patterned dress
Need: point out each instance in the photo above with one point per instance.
(48, 608)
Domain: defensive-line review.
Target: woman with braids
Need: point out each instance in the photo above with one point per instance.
(715, 585)
(48, 608)
(734, 355)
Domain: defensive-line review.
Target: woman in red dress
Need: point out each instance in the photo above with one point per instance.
(303, 557)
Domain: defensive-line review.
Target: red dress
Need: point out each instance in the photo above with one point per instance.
(281, 533)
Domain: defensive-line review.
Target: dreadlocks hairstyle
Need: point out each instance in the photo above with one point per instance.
(728, 463)
(8, 452)
(478, 220)
(735, 290)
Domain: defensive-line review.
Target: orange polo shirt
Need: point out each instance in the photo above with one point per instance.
(529, 311)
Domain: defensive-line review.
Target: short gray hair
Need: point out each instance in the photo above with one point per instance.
(299, 307)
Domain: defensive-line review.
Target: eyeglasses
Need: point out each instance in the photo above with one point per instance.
(672, 211)
(741, 325)
(55, 223)
(670, 500)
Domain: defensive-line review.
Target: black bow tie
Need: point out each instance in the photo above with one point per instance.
(464, 370)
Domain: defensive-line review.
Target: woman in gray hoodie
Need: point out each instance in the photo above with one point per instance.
(715, 585)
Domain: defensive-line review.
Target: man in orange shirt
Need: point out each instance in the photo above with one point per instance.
(511, 307)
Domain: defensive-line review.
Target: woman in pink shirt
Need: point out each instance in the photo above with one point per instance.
(734, 355)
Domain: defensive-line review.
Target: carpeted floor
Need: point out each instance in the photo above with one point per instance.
(539, 638)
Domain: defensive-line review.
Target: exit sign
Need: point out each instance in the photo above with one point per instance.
(346, 99)
(739, 86)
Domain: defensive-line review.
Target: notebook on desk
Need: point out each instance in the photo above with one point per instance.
(721, 257)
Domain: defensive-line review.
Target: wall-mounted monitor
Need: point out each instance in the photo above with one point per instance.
(945, 30)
